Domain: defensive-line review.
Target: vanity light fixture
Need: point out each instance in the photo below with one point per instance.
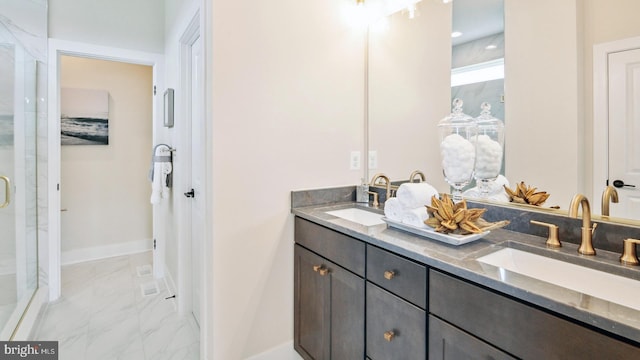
(491, 47)
(456, 34)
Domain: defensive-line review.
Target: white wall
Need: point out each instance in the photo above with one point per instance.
(105, 188)
(125, 24)
(543, 105)
(287, 109)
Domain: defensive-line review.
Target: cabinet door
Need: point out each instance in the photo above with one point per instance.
(311, 306)
(328, 309)
(396, 329)
(447, 342)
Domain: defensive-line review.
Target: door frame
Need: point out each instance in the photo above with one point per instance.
(601, 111)
(57, 48)
(185, 285)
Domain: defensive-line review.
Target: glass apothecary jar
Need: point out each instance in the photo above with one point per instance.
(489, 149)
(458, 133)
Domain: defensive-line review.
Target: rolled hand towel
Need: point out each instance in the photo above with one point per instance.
(415, 195)
(415, 217)
(393, 209)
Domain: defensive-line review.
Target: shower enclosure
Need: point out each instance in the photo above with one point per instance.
(18, 177)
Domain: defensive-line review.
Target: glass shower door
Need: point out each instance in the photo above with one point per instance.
(18, 196)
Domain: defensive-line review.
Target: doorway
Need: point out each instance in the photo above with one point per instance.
(616, 123)
(58, 49)
(106, 125)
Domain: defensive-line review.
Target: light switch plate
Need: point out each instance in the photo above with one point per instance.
(354, 160)
(373, 159)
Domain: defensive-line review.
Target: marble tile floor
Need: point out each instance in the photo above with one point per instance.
(104, 314)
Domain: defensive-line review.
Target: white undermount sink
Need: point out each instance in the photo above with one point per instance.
(362, 217)
(600, 284)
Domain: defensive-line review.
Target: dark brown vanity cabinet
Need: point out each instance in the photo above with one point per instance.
(329, 300)
(356, 301)
(483, 317)
(396, 300)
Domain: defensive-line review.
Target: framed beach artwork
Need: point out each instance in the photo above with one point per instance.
(84, 116)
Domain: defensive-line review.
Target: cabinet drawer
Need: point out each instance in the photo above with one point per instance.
(447, 342)
(396, 329)
(398, 275)
(341, 249)
(517, 328)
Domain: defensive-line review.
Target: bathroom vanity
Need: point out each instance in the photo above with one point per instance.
(373, 292)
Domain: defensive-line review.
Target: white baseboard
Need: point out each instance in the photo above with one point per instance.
(280, 352)
(105, 251)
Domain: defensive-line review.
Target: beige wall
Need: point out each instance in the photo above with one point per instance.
(409, 79)
(105, 188)
(287, 109)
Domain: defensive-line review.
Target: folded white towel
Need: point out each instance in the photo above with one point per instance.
(415, 195)
(415, 217)
(160, 170)
(393, 209)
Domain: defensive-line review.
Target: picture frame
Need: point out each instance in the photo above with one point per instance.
(168, 107)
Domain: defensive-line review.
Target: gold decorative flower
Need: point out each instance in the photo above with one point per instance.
(524, 194)
(449, 218)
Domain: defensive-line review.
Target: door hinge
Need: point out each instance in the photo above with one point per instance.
(154, 90)
(58, 187)
(154, 244)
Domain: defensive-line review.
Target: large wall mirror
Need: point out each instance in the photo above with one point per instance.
(548, 88)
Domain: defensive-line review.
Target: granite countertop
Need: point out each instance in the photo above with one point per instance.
(462, 261)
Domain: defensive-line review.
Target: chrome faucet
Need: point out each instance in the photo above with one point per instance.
(374, 182)
(586, 245)
(610, 194)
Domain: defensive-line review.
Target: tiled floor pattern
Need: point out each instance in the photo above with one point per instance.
(103, 314)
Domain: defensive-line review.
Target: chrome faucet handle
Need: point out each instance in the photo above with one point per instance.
(629, 256)
(553, 240)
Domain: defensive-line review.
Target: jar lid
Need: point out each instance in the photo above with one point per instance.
(457, 116)
(486, 119)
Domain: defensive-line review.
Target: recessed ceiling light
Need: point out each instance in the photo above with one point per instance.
(490, 47)
(456, 34)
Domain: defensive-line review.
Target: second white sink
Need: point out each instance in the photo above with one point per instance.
(362, 217)
(600, 284)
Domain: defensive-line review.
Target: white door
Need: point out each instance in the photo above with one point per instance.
(624, 132)
(197, 175)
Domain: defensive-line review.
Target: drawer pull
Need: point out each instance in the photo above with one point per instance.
(389, 335)
(320, 269)
(389, 274)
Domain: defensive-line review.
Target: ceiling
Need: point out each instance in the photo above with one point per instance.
(476, 19)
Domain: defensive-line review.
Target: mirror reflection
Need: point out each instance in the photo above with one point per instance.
(554, 137)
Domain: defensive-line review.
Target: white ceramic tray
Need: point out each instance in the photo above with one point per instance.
(430, 233)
